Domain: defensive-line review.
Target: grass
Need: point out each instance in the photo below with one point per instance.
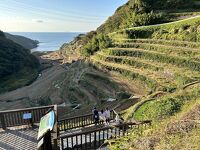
(183, 30)
(148, 73)
(171, 50)
(182, 79)
(166, 26)
(172, 132)
(155, 56)
(131, 73)
(159, 64)
(182, 44)
(140, 54)
(166, 106)
(137, 61)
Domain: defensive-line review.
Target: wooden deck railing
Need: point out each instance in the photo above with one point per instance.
(93, 139)
(13, 118)
(79, 121)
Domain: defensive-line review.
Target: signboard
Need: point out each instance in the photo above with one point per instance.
(27, 116)
(46, 123)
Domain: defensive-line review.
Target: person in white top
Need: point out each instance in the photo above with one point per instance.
(102, 116)
(107, 115)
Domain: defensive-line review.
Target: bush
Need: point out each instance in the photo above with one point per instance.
(147, 19)
(123, 95)
(98, 42)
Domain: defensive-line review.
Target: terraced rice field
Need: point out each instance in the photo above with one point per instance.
(160, 65)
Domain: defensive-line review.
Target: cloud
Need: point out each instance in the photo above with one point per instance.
(38, 20)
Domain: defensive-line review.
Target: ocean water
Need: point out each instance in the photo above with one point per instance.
(49, 41)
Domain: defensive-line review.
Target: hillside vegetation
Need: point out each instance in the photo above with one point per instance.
(165, 59)
(17, 66)
(157, 64)
(134, 14)
(140, 43)
(145, 12)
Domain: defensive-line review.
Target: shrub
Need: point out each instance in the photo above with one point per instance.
(98, 42)
(123, 95)
(147, 19)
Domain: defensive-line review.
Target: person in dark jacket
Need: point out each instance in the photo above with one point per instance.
(95, 116)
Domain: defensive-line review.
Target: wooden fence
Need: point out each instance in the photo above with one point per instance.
(79, 121)
(13, 118)
(93, 139)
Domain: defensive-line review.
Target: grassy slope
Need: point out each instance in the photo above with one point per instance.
(150, 62)
(144, 62)
(177, 131)
(184, 30)
(127, 16)
(171, 129)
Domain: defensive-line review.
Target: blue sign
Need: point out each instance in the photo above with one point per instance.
(27, 116)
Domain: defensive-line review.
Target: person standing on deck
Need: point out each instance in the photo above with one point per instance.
(95, 115)
(102, 116)
(107, 115)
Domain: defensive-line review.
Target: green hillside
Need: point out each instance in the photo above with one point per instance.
(132, 14)
(158, 49)
(147, 12)
(17, 66)
(164, 59)
(183, 30)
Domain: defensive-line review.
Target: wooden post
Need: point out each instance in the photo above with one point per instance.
(55, 130)
(47, 141)
(2, 119)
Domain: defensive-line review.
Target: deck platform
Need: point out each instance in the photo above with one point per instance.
(19, 138)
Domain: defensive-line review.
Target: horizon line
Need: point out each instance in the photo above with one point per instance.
(48, 31)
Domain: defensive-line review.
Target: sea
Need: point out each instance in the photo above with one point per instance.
(49, 41)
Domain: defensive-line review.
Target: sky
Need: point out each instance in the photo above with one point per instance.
(55, 15)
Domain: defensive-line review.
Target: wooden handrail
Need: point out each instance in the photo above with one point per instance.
(75, 117)
(78, 121)
(97, 135)
(26, 109)
(80, 116)
(13, 118)
(105, 128)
